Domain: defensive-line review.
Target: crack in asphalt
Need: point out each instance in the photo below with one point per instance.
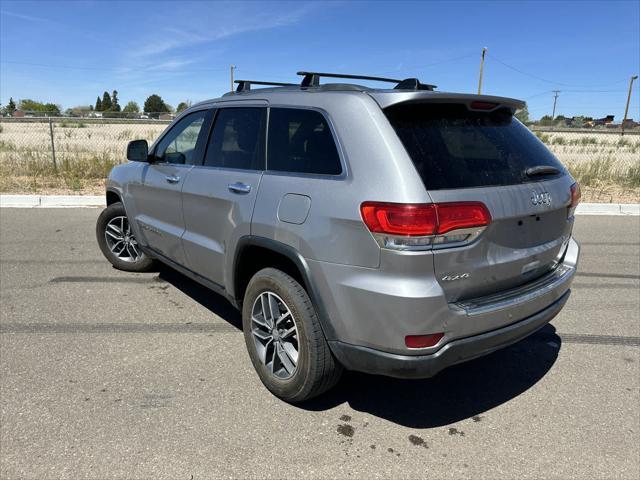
(44, 328)
(105, 280)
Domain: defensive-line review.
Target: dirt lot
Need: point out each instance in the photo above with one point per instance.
(606, 164)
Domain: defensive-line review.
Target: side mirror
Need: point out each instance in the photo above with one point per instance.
(138, 151)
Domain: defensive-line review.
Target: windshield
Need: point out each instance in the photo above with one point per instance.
(452, 147)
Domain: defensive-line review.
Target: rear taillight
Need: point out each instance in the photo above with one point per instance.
(418, 226)
(400, 219)
(576, 194)
(454, 216)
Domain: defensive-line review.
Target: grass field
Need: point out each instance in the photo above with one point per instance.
(607, 165)
(85, 153)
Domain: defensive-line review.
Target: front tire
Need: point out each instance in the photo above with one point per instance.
(117, 242)
(284, 339)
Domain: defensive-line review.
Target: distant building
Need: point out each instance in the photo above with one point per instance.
(18, 114)
(599, 122)
(167, 116)
(604, 120)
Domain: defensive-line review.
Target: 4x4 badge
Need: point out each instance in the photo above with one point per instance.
(543, 198)
(451, 278)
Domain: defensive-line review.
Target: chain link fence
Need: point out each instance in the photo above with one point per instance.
(77, 153)
(600, 158)
(67, 152)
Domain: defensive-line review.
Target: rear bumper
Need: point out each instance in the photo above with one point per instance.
(369, 360)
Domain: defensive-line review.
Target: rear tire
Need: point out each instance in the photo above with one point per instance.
(117, 242)
(279, 341)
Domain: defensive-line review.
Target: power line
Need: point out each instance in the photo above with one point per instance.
(547, 80)
(537, 94)
(419, 67)
(403, 69)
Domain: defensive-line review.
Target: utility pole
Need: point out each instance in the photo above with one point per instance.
(233, 67)
(555, 99)
(484, 51)
(626, 110)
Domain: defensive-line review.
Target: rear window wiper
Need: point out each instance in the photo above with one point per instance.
(539, 170)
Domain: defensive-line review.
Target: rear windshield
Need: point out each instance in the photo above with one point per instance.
(453, 147)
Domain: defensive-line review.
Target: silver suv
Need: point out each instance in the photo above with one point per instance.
(390, 231)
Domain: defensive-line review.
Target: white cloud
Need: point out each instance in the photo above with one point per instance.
(173, 64)
(217, 25)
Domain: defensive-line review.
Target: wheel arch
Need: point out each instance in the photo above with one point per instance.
(255, 253)
(112, 197)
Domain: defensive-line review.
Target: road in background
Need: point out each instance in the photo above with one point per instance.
(105, 374)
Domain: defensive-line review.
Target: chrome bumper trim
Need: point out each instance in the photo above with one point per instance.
(525, 293)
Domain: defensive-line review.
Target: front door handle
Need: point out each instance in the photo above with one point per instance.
(172, 179)
(239, 187)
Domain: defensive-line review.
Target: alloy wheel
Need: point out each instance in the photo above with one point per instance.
(275, 335)
(120, 241)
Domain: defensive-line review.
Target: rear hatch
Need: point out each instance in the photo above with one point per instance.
(471, 149)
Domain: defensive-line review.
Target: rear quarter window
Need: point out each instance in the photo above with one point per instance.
(452, 147)
(301, 141)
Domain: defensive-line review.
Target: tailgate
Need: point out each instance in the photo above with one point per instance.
(475, 151)
(523, 241)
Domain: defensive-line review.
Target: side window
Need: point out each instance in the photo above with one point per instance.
(178, 146)
(301, 141)
(237, 139)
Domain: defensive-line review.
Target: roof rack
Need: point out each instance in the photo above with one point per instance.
(245, 85)
(312, 79)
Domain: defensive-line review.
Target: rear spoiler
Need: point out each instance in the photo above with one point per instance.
(474, 102)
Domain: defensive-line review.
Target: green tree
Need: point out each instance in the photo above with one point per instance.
(523, 115)
(11, 106)
(545, 121)
(106, 102)
(115, 107)
(98, 107)
(29, 105)
(560, 120)
(52, 108)
(183, 106)
(131, 107)
(155, 105)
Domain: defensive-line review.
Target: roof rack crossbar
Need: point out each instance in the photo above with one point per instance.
(245, 85)
(312, 79)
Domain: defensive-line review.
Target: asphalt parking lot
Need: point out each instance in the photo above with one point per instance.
(105, 374)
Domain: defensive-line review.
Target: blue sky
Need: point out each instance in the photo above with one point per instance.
(69, 52)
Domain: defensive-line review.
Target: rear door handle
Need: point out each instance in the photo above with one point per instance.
(239, 187)
(172, 179)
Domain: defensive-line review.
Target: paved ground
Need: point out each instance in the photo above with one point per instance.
(105, 374)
